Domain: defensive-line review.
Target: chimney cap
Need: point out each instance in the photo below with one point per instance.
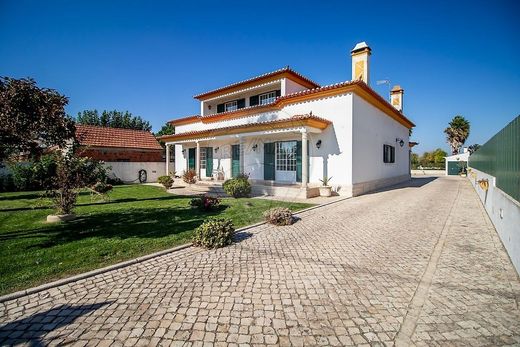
(396, 88)
(359, 47)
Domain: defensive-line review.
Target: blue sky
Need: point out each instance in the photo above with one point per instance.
(151, 57)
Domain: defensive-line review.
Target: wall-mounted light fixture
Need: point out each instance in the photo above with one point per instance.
(255, 147)
(318, 144)
(184, 151)
(209, 107)
(400, 141)
(216, 149)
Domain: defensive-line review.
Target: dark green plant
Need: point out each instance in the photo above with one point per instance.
(166, 181)
(279, 216)
(238, 187)
(205, 203)
(113, 119)
(32, 118)
(214, 233)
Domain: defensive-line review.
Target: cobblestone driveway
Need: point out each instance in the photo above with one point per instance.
(416, 265)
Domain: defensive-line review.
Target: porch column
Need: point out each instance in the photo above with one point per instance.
(242, 142)
(167, 159)
(305, 160)
(197, 160)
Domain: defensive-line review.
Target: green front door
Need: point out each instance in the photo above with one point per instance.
(235, 160)
(453, 168)
(209, 161)
(191, 159)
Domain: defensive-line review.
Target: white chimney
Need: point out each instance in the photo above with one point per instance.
(360, 68)
(396, 97)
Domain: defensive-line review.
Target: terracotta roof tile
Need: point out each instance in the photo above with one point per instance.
(196, 133)
(90, 135)
(269, 74)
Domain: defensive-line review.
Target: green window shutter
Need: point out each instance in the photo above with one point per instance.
(235, 160)
(191, 158)
(298, 161)
(241, 103)
(269, 150)
(253, 101)
(209, 161)
(220, 108)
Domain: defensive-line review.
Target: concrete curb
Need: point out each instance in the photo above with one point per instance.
(126, 263)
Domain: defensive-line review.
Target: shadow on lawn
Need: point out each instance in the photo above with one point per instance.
(121, 224)
(32, 329)
(93, 203)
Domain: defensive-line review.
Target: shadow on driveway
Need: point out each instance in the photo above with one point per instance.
(30, 330)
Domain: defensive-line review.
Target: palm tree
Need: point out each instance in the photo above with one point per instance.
(457, 133)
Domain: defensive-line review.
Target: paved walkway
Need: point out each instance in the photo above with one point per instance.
(415, 265)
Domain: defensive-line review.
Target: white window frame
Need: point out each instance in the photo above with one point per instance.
(203, 158)
(267, 98)
(231, 106)
(285, 157)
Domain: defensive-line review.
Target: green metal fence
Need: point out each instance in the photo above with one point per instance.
(500, 157)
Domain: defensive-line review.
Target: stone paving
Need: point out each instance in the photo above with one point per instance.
(416, 265)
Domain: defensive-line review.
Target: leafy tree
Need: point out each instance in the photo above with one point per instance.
(166, 129)
(415, 160)
(113, 119)
(457, 133)
(31, 118)
(473, 148)
(429, 159)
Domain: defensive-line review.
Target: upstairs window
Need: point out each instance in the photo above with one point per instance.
(231, 106)
(388, 154)
(267, 98)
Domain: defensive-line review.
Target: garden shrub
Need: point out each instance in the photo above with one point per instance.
(166, 181)
(206, 203)
(189, 177)
(214, 233)
(102, 187)
(115, 181)
(7, 183)
(238, 187)
(279, 216)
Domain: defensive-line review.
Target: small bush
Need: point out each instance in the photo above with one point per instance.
(206, 203)
(279, 216)
(115, 181)
(238, 187)
(166, 181)
(102, 187)
(7, 183)
(214, 233)
(189, 177)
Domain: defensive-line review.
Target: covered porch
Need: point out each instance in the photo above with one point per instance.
(274, 154)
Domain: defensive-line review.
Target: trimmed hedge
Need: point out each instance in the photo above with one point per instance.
(214, 233)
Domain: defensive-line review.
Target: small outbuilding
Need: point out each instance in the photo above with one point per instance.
(133, 155)
(455, 163)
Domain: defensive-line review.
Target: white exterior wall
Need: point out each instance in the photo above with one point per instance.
(503, 211)
(129, 171)
(334, 158)
(372, 128)
(292, 87)
(456, 157)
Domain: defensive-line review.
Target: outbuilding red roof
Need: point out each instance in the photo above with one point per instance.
(95, 136)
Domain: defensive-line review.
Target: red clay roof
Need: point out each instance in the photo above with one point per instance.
(217, 116)
(286, 69)
(95, 136)
(306, 119)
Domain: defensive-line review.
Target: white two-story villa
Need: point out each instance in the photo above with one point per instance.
(285, 130)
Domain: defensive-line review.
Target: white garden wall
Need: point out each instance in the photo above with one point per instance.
(129, 171)
(503, 211)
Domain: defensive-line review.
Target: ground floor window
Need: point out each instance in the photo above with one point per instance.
(203, 158)
(388, 154)
(286, 156)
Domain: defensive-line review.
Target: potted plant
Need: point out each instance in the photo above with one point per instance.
(325, 188)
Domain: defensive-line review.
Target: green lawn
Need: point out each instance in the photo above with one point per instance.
(137, 220)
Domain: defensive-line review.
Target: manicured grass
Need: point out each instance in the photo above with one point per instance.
(137, 220)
